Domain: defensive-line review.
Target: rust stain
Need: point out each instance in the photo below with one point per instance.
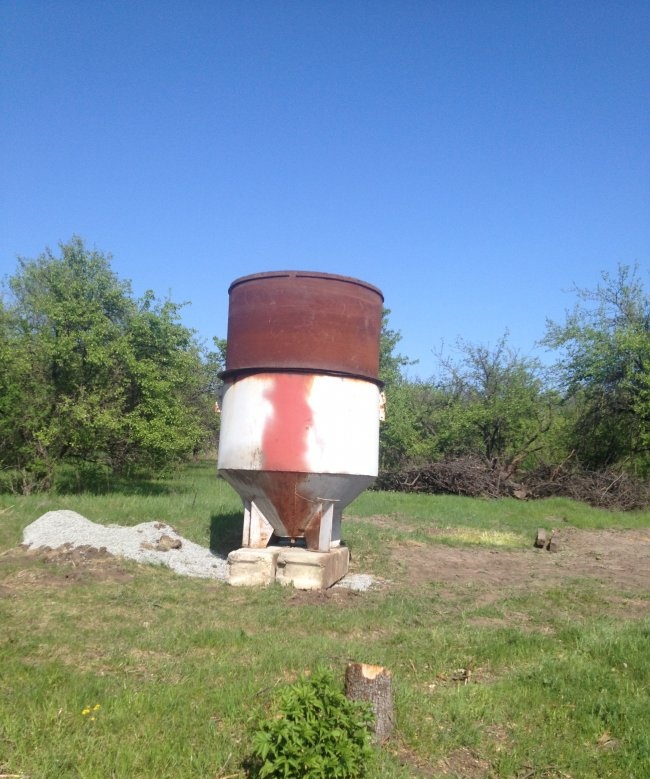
(284, 440)
(299, 516)
(279, 495)
(288, 326)
(294, 510)
(312, 529)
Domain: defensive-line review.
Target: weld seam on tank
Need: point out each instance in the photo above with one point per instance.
(240, 373)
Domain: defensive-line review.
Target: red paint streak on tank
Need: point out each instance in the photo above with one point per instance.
(284, 441)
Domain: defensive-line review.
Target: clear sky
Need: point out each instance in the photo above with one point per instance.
(473, 159)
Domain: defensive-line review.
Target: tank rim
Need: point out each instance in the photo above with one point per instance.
(305, 274)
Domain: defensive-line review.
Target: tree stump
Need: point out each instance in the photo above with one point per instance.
(374, 684)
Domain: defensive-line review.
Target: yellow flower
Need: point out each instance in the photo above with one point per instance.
(85, 712)
(96, 707)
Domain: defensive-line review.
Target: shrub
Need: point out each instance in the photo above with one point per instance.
(315, 733)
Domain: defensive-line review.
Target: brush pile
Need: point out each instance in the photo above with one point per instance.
(475, 477)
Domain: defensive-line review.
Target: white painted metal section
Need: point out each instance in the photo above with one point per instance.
(345, 434)
(342, 435)
(245, 409)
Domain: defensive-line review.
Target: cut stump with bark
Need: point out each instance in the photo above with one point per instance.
(373, 684)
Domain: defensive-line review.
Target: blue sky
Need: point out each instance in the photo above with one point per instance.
(474, 160)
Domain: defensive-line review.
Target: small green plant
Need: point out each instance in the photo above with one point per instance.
(315, 733)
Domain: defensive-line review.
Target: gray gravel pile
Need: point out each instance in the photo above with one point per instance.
(150, 542)
(357, 581)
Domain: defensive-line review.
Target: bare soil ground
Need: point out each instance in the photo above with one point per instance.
(50, 568)
(619, 559)
(616, 560)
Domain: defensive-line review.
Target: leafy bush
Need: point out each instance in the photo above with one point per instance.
(93, 379)
(316, 733)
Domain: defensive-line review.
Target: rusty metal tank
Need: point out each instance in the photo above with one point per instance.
(301, 403)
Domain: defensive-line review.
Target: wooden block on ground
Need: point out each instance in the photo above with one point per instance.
(553, 544)
(540, 538)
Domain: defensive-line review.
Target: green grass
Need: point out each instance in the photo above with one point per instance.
(182, 669)
(459, 521)
(503, 514)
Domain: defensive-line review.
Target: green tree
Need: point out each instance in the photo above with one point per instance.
(494, 404)
(164, 387)
(604, 370)
(90, 377)
(400, 439)
(408, 436)
(391, 363)
(206, 398)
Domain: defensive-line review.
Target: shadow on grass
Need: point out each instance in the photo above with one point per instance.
(97, 479)
(226, 532)
(140, 486)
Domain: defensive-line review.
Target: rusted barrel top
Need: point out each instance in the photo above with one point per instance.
(304, 321)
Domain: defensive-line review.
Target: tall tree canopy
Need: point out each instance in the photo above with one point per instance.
(605, 370)
(496, 405)
(94, 381)
(91, 377)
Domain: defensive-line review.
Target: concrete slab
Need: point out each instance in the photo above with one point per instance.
(290, 566)
(248, 567)
(307, 570)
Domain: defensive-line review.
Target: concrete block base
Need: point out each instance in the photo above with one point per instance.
(248, 567)
(300, 568)
(307, 570)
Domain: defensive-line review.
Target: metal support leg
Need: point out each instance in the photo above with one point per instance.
(257, 530)
(325, 532)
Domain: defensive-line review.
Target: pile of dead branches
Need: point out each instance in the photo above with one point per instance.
(469, 476)
(610, 489)
(475, 477)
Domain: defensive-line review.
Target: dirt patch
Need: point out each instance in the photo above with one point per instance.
(617, 561)
(618, 558)
(459, 763)
(462, 762)
(60, 567)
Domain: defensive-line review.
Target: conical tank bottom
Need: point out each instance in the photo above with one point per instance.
(293, 503)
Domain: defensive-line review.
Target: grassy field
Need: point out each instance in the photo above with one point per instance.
(109, 669)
